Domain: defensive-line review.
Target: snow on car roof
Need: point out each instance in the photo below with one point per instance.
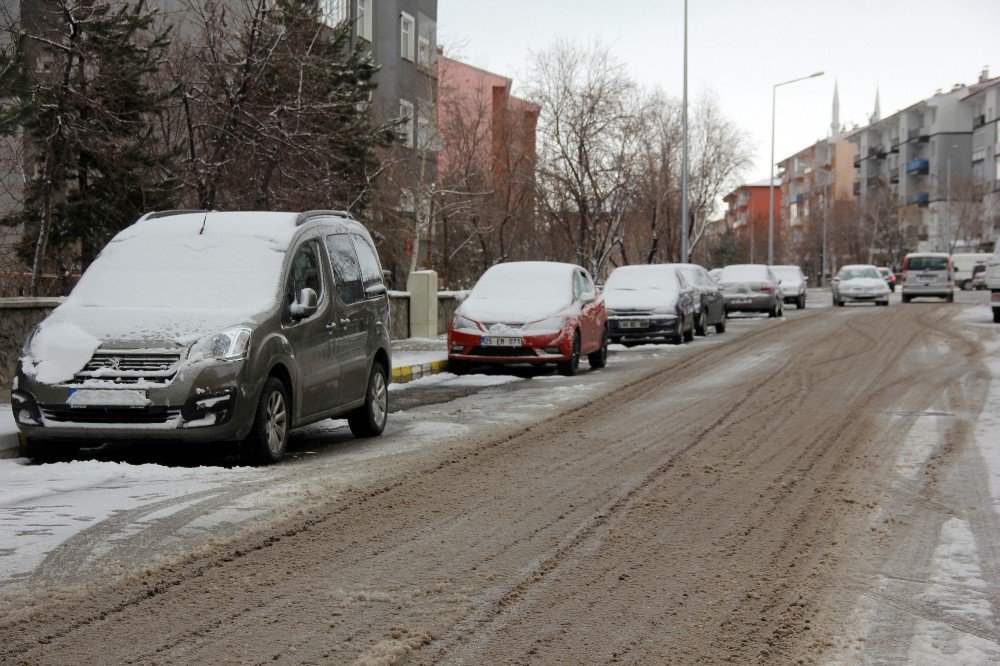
(854, 266)
(521, 291)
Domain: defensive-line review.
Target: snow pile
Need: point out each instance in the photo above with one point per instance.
(520, 292)
(453, 380)
(58, 351)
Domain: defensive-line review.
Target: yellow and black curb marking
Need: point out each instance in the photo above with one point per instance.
(408, 373)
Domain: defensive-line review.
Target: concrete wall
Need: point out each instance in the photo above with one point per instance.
(17, 317)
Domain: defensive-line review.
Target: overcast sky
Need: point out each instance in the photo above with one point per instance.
(741, 48)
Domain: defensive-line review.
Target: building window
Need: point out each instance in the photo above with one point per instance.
(406, 129)
(427, 137)
(406, 36)
(333, 11)
(365, 11)
(426, 37)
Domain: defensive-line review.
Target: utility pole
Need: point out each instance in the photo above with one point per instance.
(684, 159)
(826, 215)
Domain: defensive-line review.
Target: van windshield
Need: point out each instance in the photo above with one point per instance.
(927, 264)
(173, 267)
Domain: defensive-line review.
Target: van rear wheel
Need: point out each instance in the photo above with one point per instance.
(369, 419)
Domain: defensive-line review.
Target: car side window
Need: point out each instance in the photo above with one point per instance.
(346, 269)
(371, 270)
(588, 284)
(305, 273)
(577, 285)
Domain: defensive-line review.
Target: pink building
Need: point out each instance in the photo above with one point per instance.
(483, 128)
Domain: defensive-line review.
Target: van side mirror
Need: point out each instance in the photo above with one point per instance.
(461, 295)
(307, 304)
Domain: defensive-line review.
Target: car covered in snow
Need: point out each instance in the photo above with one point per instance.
(859, 283)
(535, 312)
(793, 284)
(751, 288)
(213, 327)
(651, 302)
(709, 306)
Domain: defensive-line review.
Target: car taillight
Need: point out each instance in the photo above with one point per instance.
(767, 286)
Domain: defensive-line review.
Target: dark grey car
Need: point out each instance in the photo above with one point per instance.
(751, 288)
(709, 305)
(213, 327)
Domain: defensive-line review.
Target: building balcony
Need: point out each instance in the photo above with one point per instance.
(919, 198)
(857, 161)
(917, 167)
(798, 198)
(919, 134)
(857, 188)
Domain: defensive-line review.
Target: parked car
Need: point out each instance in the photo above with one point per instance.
(533, 312)
(993, 284)
(978, 280)
(751, 288)
(650, 302)
(793, 284)
(213, 327)
(928, 274)
(859, 283)
(714, 274)
(709, 306)
(962, 266)
(889, 277)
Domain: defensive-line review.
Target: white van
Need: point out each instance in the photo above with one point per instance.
(962, 265)
(993, 284)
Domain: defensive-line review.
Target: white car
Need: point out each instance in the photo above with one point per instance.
(993, 284)
(860, 283)
(793, 284)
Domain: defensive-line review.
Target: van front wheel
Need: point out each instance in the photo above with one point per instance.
(268, 438)
(369, 419)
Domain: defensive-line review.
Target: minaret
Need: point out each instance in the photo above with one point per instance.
(835, 125)
(877, 116)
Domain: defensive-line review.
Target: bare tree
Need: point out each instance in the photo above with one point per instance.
(588, 148)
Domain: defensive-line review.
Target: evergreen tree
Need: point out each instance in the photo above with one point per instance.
(88, 112)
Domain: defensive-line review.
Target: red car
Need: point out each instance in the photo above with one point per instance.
(889, 277)
(533, 312)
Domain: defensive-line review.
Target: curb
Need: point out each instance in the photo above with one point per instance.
(10, 445)
(407, 373)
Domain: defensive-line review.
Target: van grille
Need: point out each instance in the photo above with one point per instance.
(130, 367)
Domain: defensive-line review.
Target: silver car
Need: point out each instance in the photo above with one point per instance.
(751, 288)
(859, 283)
(213, 327)
(793, 284)
(648, 303)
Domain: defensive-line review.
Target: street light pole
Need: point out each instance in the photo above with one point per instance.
(770, 212)
(826, 215)
(684, 149)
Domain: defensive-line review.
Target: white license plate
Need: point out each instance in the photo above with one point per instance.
(634, 323)
(502, 341)
(740, 301)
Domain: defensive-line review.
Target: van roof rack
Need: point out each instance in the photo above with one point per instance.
(310, 214)
(157, 214)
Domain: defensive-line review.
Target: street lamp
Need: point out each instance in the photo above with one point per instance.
(770, 211)
(684, 147)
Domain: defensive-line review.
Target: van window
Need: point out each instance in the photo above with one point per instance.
(305, 274)
(927, 264)
(371, 271)
(346, 270)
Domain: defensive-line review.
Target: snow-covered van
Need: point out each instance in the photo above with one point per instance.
(212, 327)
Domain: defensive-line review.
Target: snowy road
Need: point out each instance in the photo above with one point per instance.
(823, 488)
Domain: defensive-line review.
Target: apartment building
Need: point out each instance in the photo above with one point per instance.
(481, 122)
(985, 105)
(916, 165)
(747, 216)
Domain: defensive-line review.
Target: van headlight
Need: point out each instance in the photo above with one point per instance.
(228, 345)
